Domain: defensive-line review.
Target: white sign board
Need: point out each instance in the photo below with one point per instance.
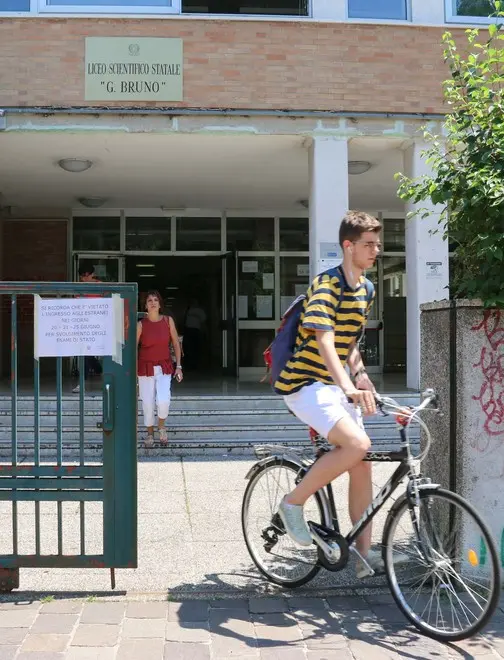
(331, 251)
(243, 307)
(434, 269)
(303, 270)
(250, 266)
(268, 281)
(264, 307)
(76, 326)
(327, 264)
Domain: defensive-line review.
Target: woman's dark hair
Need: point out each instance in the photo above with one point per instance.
(154, 294)
(86, 267)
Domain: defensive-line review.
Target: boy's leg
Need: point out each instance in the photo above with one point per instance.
(360, 496)
(351, 444)
(325, 409)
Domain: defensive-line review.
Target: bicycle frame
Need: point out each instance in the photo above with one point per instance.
(402, 470)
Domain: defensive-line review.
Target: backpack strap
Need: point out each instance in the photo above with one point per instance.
(341, 278)
(369, 297)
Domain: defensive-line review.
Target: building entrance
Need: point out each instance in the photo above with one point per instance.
(198, 291)
(243, 270)
(191, 289)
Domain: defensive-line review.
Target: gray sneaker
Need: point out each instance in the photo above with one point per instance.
(294, 523)
(375, 560)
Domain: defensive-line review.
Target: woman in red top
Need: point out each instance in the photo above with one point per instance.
(155, 333)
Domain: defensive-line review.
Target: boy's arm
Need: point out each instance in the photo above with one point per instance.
(358, 370)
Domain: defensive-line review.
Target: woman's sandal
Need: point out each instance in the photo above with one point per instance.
(163, 437)
(149, 441)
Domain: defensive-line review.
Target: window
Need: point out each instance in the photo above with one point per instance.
(384, 9)
(148, 233)
(256, 288)
(250, 234)
(237, 7)
(96, 234)
(268, 7)
(110, 6)
(294, 279)
(252, 344)
(394, 234)
(198, 234)
(294, 235)
(469, 11)
(14, 5)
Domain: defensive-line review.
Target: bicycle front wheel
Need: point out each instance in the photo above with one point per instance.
(274, 553)
(442, 564)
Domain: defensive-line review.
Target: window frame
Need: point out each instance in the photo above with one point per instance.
(452, 17)
(42, 7)
(369, 19)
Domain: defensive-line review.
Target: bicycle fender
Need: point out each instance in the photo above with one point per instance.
(257, 467)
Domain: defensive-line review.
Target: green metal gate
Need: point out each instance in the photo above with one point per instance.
(35, 473)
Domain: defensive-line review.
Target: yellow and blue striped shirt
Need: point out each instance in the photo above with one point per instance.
(324, 309)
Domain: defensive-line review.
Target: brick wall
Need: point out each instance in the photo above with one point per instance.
(33, 250)
(239, 64)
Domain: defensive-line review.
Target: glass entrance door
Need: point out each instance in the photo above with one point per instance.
(372, 345)
(106, 269)
(394, 313)
(229, 314)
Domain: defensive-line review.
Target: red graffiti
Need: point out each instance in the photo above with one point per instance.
(491, 363)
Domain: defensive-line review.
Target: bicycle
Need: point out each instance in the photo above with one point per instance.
(421, 547)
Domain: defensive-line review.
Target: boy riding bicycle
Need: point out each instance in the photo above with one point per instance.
(317, 388)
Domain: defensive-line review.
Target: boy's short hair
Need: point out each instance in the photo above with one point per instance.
(356, 223)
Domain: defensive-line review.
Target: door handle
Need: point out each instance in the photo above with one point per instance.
(108, 403)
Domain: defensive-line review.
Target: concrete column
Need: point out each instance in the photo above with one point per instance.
(328, 200)
(427, 274)
(329, 10)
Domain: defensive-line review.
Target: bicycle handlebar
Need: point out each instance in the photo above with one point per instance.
(429, 397)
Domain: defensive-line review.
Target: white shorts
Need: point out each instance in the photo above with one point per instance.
(322, 406)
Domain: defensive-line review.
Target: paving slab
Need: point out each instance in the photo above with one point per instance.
(271, 628)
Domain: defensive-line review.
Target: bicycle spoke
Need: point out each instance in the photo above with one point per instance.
(460, 594)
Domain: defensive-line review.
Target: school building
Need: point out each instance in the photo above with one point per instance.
(208, 149)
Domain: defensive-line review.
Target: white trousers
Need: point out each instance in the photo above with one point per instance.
(155, 391)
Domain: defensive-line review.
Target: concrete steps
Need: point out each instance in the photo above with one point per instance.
(232, 423)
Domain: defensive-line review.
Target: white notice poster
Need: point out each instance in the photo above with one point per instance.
(300, 289)
(264, 306)
(268, 281)
(76, 326)
(303, 270)
(250, 267)
(285, 301)
(434, 270)
(243, 307)
(327, 264)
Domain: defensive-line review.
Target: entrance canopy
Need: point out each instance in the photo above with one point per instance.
(177, 171)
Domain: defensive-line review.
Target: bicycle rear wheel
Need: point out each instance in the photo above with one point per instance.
(443, 571)
(273, 552)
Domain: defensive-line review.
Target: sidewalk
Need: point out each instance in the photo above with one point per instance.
(336, 628)
(190, 539)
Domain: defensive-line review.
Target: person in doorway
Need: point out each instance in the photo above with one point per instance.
(195, 319)
(155, 334)
(317, 387)
(92, 365)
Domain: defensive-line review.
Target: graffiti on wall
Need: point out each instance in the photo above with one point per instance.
(491, 366)
(483, 551)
